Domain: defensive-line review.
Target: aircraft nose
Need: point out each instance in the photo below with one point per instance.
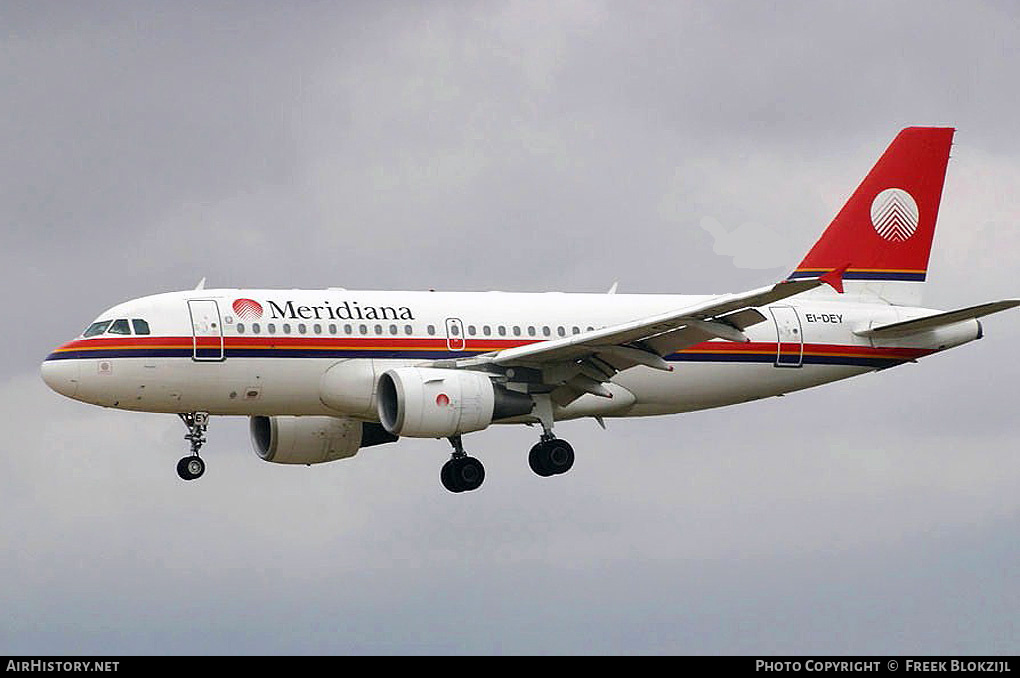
(62, 376)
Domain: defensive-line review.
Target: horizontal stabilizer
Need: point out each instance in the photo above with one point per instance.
(907, 327)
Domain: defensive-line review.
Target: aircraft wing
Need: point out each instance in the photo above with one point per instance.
(582, 362)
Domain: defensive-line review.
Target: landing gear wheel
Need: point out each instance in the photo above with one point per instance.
(462, 474)
(551, 457)
(190, 468)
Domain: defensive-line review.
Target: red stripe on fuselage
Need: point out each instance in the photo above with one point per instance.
(472, 345)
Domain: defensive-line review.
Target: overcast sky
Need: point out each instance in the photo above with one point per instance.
(674, 147)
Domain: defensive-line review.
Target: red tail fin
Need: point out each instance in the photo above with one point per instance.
(885, 229)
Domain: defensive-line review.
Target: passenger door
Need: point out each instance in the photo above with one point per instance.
(207, 330)
(789, 336)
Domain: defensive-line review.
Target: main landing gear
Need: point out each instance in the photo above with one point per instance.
(462, 473)
(550, 456)
(192, 467)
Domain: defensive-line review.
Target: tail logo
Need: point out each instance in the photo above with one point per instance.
(894, 214)
(247, 309)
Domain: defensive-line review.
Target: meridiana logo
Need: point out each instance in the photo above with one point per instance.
(247, 309)
(894, 214)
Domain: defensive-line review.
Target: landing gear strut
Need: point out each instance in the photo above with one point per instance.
(550, 456)
(192, 467)
(462, 473)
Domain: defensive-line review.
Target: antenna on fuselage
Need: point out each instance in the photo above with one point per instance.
(612, 290)
(200, 285)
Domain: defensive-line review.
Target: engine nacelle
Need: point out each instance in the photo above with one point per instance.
(426, 402)
(312, 440)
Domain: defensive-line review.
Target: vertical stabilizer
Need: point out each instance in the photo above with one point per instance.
(884, 232)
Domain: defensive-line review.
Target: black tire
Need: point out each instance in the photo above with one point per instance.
(468, 473)
(559, 456)
(537, 460)
(446, 476)
(190, 468)
(182, 469)
(551, 457)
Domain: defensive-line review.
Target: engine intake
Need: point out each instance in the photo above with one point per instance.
(426, 402)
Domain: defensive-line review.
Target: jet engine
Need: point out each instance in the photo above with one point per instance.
(425, 402)
(313, 440)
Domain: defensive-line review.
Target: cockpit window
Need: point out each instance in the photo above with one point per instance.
(120, 327)
(97, 328)
(141, 327)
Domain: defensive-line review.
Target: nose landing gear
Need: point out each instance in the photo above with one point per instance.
(192, 467)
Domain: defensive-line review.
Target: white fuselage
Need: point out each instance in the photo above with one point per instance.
(317, 352)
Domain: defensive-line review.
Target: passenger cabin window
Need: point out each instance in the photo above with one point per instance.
(141, 327)
(240, 328)
(96, 329)
(120, 327)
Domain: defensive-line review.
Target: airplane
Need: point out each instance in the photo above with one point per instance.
(324, 373)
